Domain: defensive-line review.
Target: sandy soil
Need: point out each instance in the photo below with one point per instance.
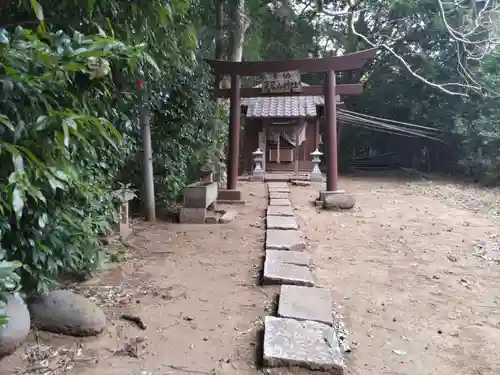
(410, 269)
(408, 273)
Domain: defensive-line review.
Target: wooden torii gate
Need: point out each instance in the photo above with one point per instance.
(328, 65)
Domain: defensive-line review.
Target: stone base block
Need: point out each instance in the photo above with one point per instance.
(192, 215)
(302, 303)
(316, 177)
(324, 193)
(258, 177)
(337, 200)
(211, 219)
(229, 195)
(123, 229)
(289, 342)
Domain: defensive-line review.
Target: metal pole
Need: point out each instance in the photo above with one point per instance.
(234, 133)
(148, 180)
(332, 177)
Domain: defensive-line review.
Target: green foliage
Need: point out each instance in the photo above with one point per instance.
(9, 282)
(57, 151)
(69, 125)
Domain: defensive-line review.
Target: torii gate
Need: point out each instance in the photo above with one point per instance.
(328, 65)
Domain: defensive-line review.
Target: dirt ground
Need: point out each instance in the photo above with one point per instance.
(410, 269)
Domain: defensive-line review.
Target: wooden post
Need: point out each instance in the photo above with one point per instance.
(264, 149)
(317, 133)
(332, 177)
(148, 179)
(234, 133)
(296, 154)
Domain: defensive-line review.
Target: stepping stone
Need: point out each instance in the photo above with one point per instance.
(279, 202)
(299, 258)
(279, 190)
(282, 222)
(284, 240)
(289, 342)
(277, 272)
(278, 195)
(277, 185)
(228, 216)
(280, 211)
(301, 183)
(301, 303)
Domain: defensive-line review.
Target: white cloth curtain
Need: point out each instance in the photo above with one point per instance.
(288, 133)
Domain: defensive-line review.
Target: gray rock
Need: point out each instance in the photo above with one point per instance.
(14, 333)
(301, 303)
(64, 312)
(280, 211)
(338, 201)
(282, 222)
(284, 240)
(290, 342)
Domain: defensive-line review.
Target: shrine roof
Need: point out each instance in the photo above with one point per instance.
(282, 106)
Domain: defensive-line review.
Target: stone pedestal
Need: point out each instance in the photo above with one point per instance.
(122, 198)
(227, 196)
(316, 175)
(258, 173)
(335, 200)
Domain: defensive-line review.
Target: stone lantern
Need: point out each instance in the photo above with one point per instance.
(207, 173)
(258, 173)
(316, 175)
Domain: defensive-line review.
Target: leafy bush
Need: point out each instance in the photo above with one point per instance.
(59, 152)
(9, 282)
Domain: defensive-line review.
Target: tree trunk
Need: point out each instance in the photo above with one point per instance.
(238, 27)
(240, 23)
(219, 37)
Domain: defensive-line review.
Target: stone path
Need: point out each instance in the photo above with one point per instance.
(302, 334)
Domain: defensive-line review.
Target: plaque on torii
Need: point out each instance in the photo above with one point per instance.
(327, 65)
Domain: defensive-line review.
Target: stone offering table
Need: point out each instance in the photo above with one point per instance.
(198, 197)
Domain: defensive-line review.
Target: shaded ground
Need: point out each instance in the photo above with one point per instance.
(195, 288)
(408, 272)
(410, 268)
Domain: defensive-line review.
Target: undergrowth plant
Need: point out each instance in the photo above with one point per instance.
(59, 151)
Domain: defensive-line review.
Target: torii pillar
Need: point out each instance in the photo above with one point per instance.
(328, 65)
